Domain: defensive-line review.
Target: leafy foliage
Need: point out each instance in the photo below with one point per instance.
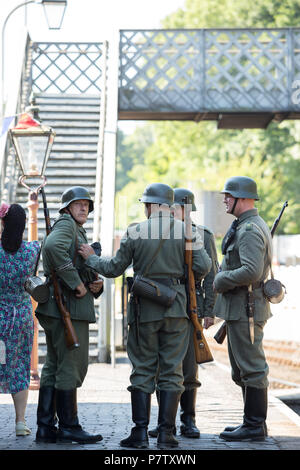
(187, 154)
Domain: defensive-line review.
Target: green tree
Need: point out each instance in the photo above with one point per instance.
(186, 153)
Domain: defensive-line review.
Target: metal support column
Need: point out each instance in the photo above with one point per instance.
(106, 341)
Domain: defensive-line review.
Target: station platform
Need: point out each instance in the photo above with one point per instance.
(104, 407)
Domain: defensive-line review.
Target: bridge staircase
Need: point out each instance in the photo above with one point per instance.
(73, 161)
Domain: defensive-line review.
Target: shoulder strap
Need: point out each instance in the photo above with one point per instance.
(266, 241)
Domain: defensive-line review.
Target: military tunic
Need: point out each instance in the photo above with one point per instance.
(206, 297)
(247, 261)
(163, 331)
(66, 369)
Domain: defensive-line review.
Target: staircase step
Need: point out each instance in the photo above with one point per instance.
(64, 147)
(84, 133)
(91, 117)
(76, 172)
(71, 163)
(70, 108)
(72, 139)
(71, 156)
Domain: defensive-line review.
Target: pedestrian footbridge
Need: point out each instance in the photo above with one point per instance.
(239, 78)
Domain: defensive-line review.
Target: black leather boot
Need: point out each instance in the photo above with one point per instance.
(255, 413)
(69, 427)
(46, 415)
(154, 432)
(140, 407)
(168, 405)
(233, 428)
(188, 427)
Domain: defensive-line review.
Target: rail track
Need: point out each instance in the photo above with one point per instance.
(283, 358)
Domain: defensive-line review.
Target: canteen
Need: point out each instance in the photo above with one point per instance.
(274, 291)
(37, 288)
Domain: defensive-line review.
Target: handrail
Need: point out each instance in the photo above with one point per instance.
(15, 105)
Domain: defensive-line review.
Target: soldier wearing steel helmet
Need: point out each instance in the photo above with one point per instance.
(162, 336)
(247, 250)
(64, 370)
(184, 200)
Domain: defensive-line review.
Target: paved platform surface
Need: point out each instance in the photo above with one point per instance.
(104, 407)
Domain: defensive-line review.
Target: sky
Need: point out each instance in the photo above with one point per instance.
(93, 19)
(84, 20)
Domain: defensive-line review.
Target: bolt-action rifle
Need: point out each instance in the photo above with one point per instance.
(221, 333)
(70, 334)
(202, 351)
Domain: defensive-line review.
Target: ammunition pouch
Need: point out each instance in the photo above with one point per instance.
(151, 289)
(38, 289)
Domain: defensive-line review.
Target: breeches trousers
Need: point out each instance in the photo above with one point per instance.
(248, 362)
(162, 342)
(64, 369)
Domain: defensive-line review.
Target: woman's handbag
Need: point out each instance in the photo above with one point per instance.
(150, 288)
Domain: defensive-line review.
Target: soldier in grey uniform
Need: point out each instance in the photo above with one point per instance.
(64, 369)
(161, 333)
(184, 199)
(247, 249)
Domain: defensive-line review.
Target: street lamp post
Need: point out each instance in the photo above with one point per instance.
(32, 142)
(54, 11)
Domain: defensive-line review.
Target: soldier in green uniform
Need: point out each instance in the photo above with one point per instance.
(64, 369)
(161, 333)
(184, 199)
(247, 250)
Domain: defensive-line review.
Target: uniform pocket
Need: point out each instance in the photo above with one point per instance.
(232, 258)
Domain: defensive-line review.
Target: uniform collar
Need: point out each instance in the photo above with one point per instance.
(249, 213)
(161, 214)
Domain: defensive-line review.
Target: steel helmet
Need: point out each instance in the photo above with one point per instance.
(184, 196)
(74, 194)
(241, 187)
(158, 193)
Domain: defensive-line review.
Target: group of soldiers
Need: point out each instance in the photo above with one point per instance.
(160, 336)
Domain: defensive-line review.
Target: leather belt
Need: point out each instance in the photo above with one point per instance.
(255, 285)
(170, 281)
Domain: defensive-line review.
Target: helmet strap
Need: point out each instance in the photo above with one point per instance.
(69, 212)
(234, 205)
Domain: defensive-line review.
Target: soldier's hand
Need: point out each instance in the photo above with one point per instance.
(208, 321)
(96, 286)
(80, 291)
(85, 250)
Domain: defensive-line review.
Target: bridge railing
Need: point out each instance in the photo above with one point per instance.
(164, 72)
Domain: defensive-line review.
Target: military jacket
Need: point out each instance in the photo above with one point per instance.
(138, 247)
(59, 254)
(247, 260)
(206, 295)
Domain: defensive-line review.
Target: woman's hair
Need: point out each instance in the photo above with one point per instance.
(14, 226)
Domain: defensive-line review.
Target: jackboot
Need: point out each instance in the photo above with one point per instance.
(69, 428)
(46, 415)
(255, 413)
(188, 427)
(140, 407)
(154, 432)
(166, 418)
(233, 428)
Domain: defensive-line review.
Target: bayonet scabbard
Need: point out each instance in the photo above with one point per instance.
(250, 312)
